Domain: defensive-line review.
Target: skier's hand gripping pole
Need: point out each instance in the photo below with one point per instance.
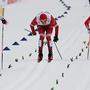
(30, 31)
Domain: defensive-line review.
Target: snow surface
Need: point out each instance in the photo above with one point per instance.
(27, 74)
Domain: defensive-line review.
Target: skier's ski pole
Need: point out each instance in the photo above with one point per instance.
(2, 42)
(29, 30)
(88, 53)
(88, 48)
(58, 50)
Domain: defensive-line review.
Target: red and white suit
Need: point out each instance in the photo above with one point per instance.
(87, 23)
(45, 30)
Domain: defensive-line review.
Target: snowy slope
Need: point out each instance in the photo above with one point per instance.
(21, 70)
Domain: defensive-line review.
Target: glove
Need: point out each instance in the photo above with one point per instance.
(4, 21)
(33, 33)
(55, 38)
(88, 31)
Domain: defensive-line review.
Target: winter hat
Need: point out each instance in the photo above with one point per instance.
(43, 16)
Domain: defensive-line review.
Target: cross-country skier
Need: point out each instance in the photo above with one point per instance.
(87, 24)
(45, 23)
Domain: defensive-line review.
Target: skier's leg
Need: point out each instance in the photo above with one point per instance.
(40, 44)
(49, 43)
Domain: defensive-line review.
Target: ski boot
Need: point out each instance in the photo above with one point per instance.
(50, 57)
(40, 56)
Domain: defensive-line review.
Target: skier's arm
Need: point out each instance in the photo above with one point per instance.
(54, 24)
(56, 30)
(87, 24)
(33, 23)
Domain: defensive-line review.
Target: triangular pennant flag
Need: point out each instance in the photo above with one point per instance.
(15, 43)
(82, 50)
(16, 60)
(76, 57)
(62, 74)
(59, 16)
(10, 66)
(71, 59)
(56, 19)
(64, 4)
(68, 7)
(6, 49)
(35, 50)
(65, 12)
(30, 54)
(79, 54)
(60, 0)
(68, 65)
(30, 34)
(57, 81)
(23, 39)
(62, 15)
(23, 57)
(52, 88)
(0, 74)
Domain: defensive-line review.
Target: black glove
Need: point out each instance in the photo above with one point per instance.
(4, 21)
(33, 33)
(88, 31)
(55, 38)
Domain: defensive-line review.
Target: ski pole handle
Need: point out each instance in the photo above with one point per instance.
(29, 30)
